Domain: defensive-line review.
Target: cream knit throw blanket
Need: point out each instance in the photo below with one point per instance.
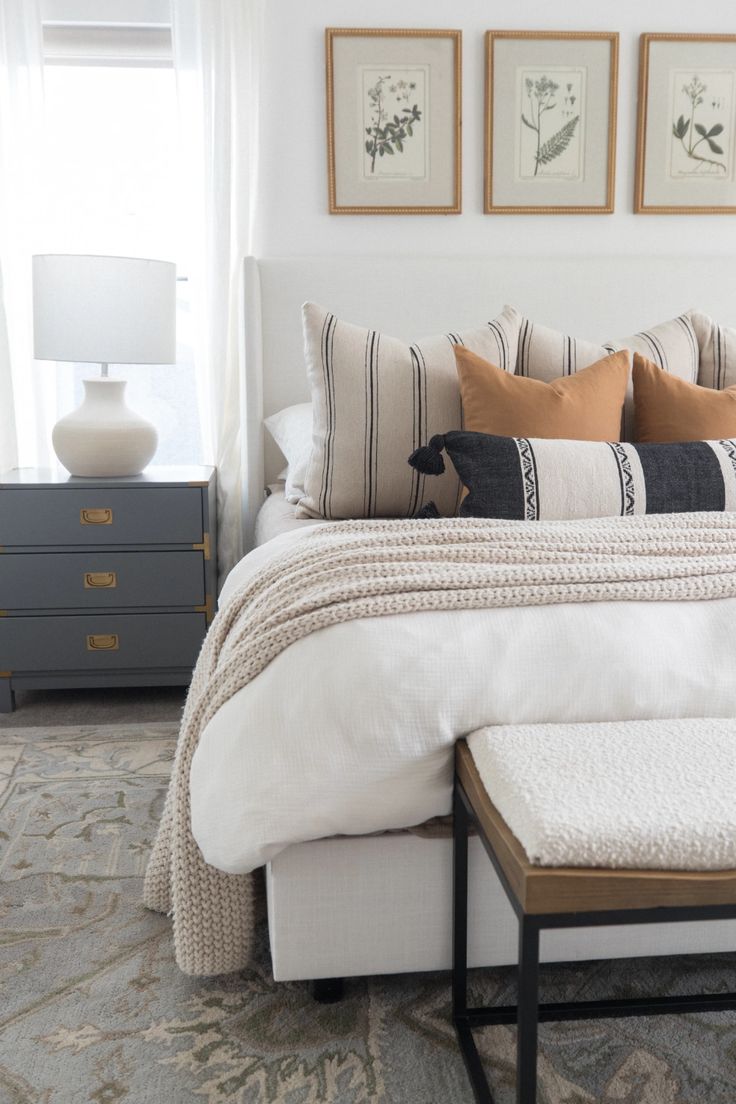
(358, 569)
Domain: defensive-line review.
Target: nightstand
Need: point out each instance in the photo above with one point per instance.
(104, 582)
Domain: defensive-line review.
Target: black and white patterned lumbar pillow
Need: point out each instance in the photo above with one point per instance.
(535, 479)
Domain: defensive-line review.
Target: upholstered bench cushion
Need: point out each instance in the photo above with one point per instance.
(657, 795)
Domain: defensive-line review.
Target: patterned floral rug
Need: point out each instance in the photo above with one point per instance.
(94, 1011)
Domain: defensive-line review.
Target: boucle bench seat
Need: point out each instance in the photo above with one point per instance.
(655, 795)
(588, 825)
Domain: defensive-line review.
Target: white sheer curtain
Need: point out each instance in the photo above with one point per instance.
(8, 439)
(27, 394)
(216, 47)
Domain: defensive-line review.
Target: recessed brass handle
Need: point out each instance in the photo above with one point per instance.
(97, 580)
(103, 642)
(96, 516)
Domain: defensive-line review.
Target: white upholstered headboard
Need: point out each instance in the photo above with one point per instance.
(597, 298)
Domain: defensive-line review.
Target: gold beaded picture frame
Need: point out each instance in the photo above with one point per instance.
(394, 121)
(686, 133)
(550, 122)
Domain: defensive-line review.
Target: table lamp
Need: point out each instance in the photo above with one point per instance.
(104, 310)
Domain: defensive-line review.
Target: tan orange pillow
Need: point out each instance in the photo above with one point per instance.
(669, 409)
(585, 407)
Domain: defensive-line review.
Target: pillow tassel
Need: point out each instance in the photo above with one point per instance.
(428, 458)
(428, 512)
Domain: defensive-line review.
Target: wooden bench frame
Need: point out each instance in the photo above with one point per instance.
(562, 897)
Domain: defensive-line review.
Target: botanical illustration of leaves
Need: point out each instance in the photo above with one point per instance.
(715, 148)
(526, 122)
(386, 136)
(558, 143)
(681, 127)
(708, 134)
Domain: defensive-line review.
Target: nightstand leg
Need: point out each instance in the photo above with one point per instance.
(7, 697)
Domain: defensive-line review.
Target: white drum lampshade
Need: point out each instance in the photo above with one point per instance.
(104, 310)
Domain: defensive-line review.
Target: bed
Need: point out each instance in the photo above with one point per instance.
(379, 902)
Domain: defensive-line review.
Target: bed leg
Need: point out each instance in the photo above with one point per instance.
(328, 990)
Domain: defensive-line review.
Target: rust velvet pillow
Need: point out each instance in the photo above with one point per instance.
(669, 409)
(587, 406)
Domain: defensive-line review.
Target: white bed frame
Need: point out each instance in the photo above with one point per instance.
(381, 904)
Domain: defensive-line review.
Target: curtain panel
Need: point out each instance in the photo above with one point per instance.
(216, 47)
(23, 396)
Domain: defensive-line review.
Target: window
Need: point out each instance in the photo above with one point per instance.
(112, 187)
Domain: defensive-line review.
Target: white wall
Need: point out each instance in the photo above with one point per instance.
(293, 216)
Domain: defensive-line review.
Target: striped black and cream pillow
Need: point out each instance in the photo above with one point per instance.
(717, 352)
(545, 354)
(538, 479)
(375, 398)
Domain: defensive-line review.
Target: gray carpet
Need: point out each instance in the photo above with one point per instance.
(124, 705)
(94, 1011)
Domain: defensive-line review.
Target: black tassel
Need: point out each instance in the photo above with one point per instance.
(428, 459)
(428, 512)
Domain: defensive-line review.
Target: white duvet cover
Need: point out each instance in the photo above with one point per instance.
(351, 730)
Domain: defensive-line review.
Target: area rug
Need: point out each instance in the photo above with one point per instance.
(94, 1011)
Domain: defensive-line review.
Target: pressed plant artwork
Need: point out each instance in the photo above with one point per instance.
(686, 133)
(394, 137)
(550, 122)
(394, 133)
(702, 122)
(550, 139)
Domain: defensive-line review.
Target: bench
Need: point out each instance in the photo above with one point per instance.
(575, 896)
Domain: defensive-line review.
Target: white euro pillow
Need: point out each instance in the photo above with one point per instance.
(291, 429)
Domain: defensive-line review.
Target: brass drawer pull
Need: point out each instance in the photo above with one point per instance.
(103, 642)
(97, 516)
(96, 580)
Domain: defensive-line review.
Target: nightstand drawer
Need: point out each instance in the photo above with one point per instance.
(100, 642)
(98, 516)
(90, 580)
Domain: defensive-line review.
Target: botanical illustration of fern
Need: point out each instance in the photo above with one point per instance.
(543, 96)
(558, 143)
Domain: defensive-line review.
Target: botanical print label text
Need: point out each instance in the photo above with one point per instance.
(394, 122)
(550, 123)
(701, 122)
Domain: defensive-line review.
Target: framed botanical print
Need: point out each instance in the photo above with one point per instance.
(550, 122)
(686, 134)
(393, 121)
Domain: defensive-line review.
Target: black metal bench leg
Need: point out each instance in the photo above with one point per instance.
(459, 907)
(528, 1011)
(468, 1049)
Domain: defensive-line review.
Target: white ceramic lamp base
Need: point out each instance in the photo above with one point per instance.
(103, 436)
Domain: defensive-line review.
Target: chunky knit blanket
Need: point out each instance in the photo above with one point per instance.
(356, 569)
